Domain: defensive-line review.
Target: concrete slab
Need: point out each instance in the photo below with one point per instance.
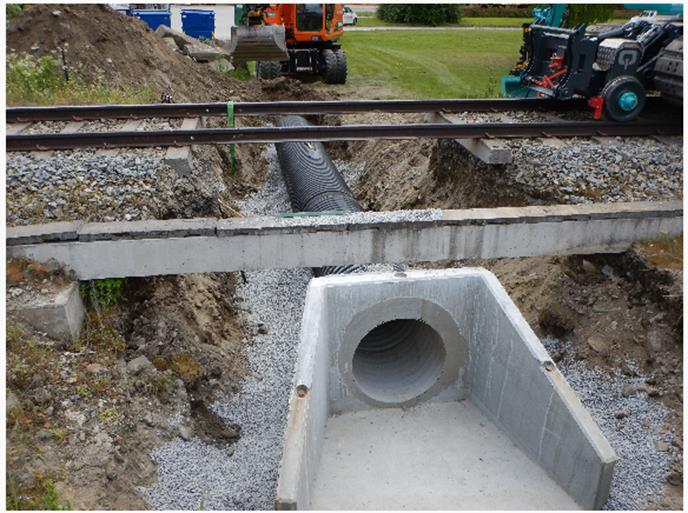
(181, 158)
(435, 456)
(16, 128)
(71, 127)
(490, 151)
(452, 337)
(59, 315)
(130, 126)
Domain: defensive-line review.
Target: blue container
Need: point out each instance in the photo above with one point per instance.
(153, 17)
(198, 23)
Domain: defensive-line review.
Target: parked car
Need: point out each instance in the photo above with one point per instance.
(350, 17)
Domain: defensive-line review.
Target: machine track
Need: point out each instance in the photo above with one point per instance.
(669, 72)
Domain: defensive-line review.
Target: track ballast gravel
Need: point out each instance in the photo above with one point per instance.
(585, 170)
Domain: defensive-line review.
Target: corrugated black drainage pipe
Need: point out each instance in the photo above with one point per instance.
(314, 183)
(397, 355)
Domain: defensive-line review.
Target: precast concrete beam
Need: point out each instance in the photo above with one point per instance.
(148, 248)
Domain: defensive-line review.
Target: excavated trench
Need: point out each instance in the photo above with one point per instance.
(409, 351)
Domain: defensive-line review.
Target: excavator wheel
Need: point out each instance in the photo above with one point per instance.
(268, 69)
(331, 73)
(341, 66)
(669, 72)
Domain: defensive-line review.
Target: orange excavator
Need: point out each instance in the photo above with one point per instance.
(291, 39)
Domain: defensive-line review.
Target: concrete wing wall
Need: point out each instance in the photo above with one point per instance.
(513, 380)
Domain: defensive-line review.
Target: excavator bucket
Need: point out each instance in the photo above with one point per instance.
(258, 43)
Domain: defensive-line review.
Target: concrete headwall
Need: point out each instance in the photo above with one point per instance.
(489, 355)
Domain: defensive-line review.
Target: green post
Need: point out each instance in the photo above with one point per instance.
(230, 124)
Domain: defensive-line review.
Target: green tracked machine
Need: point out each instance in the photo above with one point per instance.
(614, 68)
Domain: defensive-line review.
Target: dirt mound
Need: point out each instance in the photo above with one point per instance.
(101, 44)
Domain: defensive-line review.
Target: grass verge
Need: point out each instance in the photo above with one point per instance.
(430, 64)
(39, 81)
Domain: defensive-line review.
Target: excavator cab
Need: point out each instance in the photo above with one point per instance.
(291, 39)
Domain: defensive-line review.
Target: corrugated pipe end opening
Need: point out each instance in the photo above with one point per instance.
(398, 361)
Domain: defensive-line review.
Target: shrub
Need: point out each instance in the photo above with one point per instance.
(42, 495)
(496, 11)
(106, 292)
(32, 78)
(11, 10)
(419, 14)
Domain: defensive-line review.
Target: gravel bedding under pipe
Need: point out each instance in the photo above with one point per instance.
(191, 473)
(632, 425)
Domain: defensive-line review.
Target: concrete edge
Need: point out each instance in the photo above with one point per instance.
(73, 231)
(292, 482)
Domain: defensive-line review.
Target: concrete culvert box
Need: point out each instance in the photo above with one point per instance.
(428, 390)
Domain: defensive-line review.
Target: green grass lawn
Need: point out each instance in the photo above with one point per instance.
(429, 64)
(465, 22)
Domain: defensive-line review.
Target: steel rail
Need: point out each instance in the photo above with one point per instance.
(186, 110)
(63, 141)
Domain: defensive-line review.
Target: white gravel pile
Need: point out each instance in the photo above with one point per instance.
(632, 424)
(194, 473)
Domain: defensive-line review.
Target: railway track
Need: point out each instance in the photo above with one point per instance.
(188, 110)
(126, 138)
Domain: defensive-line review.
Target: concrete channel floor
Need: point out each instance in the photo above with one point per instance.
(432, 456)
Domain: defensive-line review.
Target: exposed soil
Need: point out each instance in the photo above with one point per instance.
(102, 45)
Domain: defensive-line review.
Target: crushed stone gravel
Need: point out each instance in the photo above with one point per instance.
(632, 425)
(82, 185)
(90, 186)
(191, 472)
(584, 170)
